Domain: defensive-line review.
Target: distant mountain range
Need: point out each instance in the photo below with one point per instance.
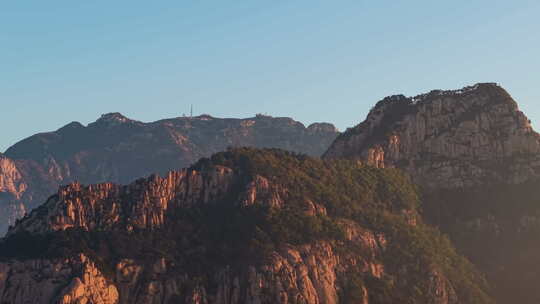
(117, 149)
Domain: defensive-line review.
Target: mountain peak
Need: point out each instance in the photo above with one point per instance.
(112, 119)
(74, 125)
(494, 91)
(322, 127)
(113, 116)
(448, 139)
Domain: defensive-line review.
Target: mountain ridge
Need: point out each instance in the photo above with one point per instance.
(115, 148)
(447, 138)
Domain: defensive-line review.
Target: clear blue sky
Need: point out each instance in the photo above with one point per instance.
(63, 61)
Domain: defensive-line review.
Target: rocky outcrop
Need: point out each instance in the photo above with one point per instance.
(73, 280)
(308, 274)
(447, 139)
(140, 205)
(11, 180)
(118, 149)
(12, 188)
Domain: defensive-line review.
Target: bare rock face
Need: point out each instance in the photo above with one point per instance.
(447, 139)
(118, 149)
(140, 205)
(12, 189)
(63, 281)
(308, 274)
(314, 273)
(11, 180)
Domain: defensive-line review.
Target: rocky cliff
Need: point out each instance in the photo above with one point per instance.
(118, 149)
(12, 188)
(447, 139)
(69, 280)
(246, 226)
(477, 160)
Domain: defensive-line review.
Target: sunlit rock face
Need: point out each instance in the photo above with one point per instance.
(140, 205)
(61, 281)
(311, 273)
(447, 139)
(11, 180)
(117, 149)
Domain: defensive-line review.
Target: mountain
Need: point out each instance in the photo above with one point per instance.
(117, 149)
(244, 226)
(476, 159)
(447, 139)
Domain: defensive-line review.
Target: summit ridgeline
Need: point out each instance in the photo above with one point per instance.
(447, 139)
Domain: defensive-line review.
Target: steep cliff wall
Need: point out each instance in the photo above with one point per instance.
(117, 149)
(11, 180)
(447, 139)
(12, 189)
